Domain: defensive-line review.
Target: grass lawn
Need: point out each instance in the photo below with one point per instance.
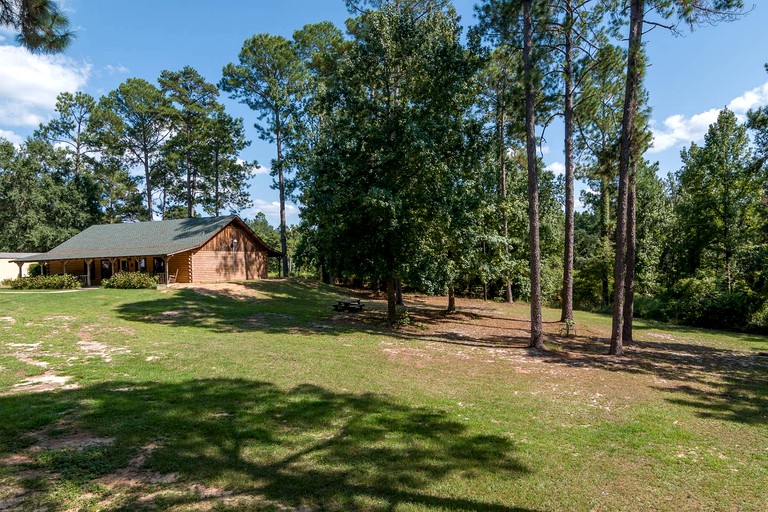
(259, 397)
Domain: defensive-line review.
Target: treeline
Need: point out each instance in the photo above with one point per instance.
(415, 152)
(138, 152)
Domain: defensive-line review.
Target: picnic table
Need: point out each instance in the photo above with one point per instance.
(348, 305)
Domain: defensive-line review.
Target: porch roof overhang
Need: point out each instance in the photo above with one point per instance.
(142, 239)
(89, 255)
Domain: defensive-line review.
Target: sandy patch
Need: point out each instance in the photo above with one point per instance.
(74, 438)
(232, 290)
(59, 318)
(48, 381)
(97, 349)
(7, 319)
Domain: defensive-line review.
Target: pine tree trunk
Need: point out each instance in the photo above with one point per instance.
(605, 240)
(281, 186)
(399, 293)
(537, 339)
(148, 182)
(190, 206)
(391, 302)
(503, 188)
(216, 199)
(567, 293)
(451, 299)
(629, 285)
(634, 73)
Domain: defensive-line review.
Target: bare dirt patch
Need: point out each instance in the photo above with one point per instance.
(49, 381)
(236, 291)
(97, 349)
(7, 320)
(488, 337)
(69, 436)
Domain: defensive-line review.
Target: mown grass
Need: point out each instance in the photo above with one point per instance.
(270, 401)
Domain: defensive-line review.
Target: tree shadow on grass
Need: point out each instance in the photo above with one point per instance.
(163, 445)
(717, 383)
(275, 307)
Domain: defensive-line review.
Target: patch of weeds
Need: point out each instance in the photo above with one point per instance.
(401, 316)
(80, 466)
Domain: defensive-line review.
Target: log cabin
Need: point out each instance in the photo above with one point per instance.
(196, 250)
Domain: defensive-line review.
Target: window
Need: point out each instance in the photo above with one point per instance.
(159, 265)
(124, 265)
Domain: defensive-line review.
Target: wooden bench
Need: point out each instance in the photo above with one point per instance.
(350, 305)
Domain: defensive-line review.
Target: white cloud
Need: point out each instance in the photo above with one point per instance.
(545, 150)
(30, 83)
(557, 168)
(679, 129)
(259, 169)
(116, 70)
(12, 137)
(757, 97)
(271, 209)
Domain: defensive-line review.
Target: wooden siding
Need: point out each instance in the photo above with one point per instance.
(182, 263)
(221, 260)
(209, 266)
(223, 240)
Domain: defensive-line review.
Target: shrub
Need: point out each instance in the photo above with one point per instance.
(57, 282)
(759, 320)
(651, 307)
(704, 301)
(130, 280)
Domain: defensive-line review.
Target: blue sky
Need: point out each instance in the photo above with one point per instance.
(690, 78)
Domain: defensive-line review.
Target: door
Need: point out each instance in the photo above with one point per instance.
(106, 269)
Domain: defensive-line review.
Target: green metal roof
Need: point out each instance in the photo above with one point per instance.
(140, 239)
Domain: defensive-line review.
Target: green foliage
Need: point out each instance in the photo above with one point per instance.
(391, 171)
(41, 24)
(133, 124)
(130, 280)
(55, 282)
(42, 202)
(706, 301)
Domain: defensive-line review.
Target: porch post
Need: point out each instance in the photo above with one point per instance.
(88, 272)
(64, 267)
(165, 261)
(20, 269)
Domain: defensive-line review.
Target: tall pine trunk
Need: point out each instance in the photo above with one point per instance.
(629, 285)
(567, 293)
(216, 199)
(605, 240)
(537, 339)
(281, 187)
(391, 301)
(634, 73)
(148, 181)
(501, 120)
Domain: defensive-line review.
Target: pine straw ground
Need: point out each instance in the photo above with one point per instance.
(257, 396)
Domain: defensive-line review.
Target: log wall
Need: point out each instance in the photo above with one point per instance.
(183, 264)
